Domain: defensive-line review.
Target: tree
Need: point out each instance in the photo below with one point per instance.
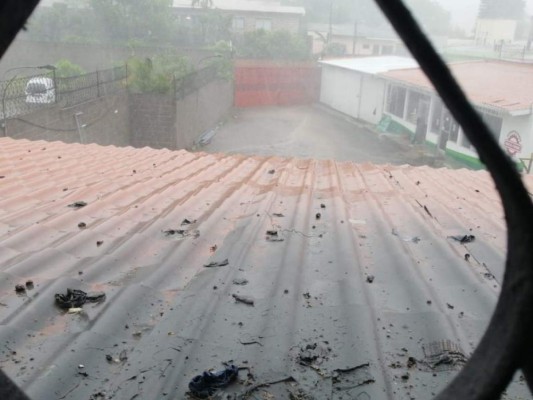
(141, 20)
(502, 9)
(65, 69)
(278, 45)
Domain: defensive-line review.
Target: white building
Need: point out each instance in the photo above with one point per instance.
(490, 32)
(354, 86)
(402, 99)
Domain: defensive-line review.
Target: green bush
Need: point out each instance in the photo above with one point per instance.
(156, 75)
(279, 45)
(66, 69)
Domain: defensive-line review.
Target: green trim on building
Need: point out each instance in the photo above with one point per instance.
(472, 162)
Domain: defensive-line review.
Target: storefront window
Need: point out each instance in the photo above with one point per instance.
(396, 100)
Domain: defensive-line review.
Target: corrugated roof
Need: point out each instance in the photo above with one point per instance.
(271, 6)
(373, 65)
(173, 318)
(506, 85)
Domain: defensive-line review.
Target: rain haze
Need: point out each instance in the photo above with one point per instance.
(265, 199)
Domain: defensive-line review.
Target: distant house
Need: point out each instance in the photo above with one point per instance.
(493, 32)
(248, 15)
(356, 39)
(396, 90)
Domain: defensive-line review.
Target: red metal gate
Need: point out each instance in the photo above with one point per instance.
(260, 83)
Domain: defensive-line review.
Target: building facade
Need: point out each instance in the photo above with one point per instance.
(247, 15)
(399, 97)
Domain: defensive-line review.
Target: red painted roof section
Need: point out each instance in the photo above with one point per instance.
(506, 85)
(173, 318)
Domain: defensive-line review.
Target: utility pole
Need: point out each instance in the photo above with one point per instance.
(330, 21)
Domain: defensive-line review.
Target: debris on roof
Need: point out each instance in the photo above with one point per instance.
(309, 320)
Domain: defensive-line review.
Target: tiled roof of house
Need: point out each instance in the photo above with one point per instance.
(500, 84)
(366, 275)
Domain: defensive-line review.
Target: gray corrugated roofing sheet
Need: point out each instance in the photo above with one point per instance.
(174, 318)
(373, 65)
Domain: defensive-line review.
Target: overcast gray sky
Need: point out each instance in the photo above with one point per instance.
(464, 12)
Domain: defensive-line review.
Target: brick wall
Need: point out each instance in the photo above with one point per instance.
(104, 121)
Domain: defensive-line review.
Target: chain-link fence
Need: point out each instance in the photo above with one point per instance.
(194, 81)
(26, 94)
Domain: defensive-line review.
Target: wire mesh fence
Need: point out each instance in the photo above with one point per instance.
(26, 94)
(192, 82)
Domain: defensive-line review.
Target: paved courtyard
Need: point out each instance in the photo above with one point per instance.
(304, 132)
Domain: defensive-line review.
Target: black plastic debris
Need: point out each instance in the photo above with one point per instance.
(451, 307)
(172, 232)
(75, 298)
(322, 205)
(467, 257)
(20, 288)
(279, 215)
(77, 204)
(206, 385)
(313, 354)
(463, 238)
(273, 236)
(243, 299)
(318, 215)
(370, 278)
(181, 233)
(99, 243)
(82, 225)
(272, 171)
(188, 222)
(29, 284)
(444, 355)
(222, 263)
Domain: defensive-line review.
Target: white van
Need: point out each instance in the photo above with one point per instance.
(40, 90)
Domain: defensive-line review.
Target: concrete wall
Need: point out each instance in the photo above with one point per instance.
(106, 121)
(356, 94)
(90, 56)
(202, 111)
(372, 99)
(340, 89)
(152, 120)
(161, 121)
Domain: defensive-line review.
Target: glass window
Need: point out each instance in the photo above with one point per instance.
(263, 23)
(435, 119)
(237, 23)
(396, 100)
(417, 106)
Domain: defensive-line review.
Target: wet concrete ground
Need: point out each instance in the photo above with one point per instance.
(305, 132)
